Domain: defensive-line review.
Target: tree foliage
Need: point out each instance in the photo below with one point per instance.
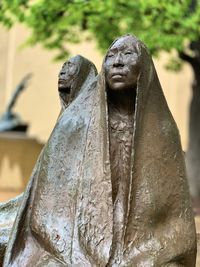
(161, 24)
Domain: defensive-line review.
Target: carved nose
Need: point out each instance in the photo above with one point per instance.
(62, 73)
(118, 61)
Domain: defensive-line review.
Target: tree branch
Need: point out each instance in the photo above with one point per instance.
(186, 57)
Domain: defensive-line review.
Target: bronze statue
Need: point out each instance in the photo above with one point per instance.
(10, 121)
(109, 188)
(84, 74)
(69, 84)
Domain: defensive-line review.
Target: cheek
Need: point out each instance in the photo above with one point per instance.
(69, 80)
(134, 68)
(108, 65)
(72, 73)
(73, 70)
(132, 76)
(107, 71)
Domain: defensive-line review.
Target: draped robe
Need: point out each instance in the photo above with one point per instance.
(67, 216)
(8, 210)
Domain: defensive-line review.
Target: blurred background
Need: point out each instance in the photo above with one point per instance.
(38, 36)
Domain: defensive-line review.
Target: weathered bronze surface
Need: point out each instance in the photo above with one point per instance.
(70, 79)
(109, 188)
(9, 120)
(67, 87)
(8, 212)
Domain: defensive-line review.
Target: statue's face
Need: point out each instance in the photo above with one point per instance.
(122, 64)
(67, 75)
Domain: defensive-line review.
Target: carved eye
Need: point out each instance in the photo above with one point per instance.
(110, 55)
(128, 53)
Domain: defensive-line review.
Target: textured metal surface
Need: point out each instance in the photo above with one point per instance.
(109, 188)
(8, 212)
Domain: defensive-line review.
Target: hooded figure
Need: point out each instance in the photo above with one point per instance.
(76, 75)
(153, 222)
(73, 74)
(70, 80)
(110, 187)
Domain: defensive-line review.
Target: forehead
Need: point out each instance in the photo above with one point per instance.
(70, 62)
(127, 42)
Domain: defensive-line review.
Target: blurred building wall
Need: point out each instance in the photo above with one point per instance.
(18, 155)
(39, 103)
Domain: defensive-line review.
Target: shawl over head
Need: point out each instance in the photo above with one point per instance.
(48, 159)
(84, 72)
(72, 190)
(159, 228)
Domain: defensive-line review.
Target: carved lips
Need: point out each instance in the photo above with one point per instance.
(118, 75)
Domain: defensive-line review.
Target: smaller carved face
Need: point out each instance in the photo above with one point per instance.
(122, 64)
(67, 75)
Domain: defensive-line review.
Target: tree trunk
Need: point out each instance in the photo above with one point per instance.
(193, 152)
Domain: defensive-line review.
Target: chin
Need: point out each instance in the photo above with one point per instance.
(64, 89)
(121, 88)
(117, 87)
